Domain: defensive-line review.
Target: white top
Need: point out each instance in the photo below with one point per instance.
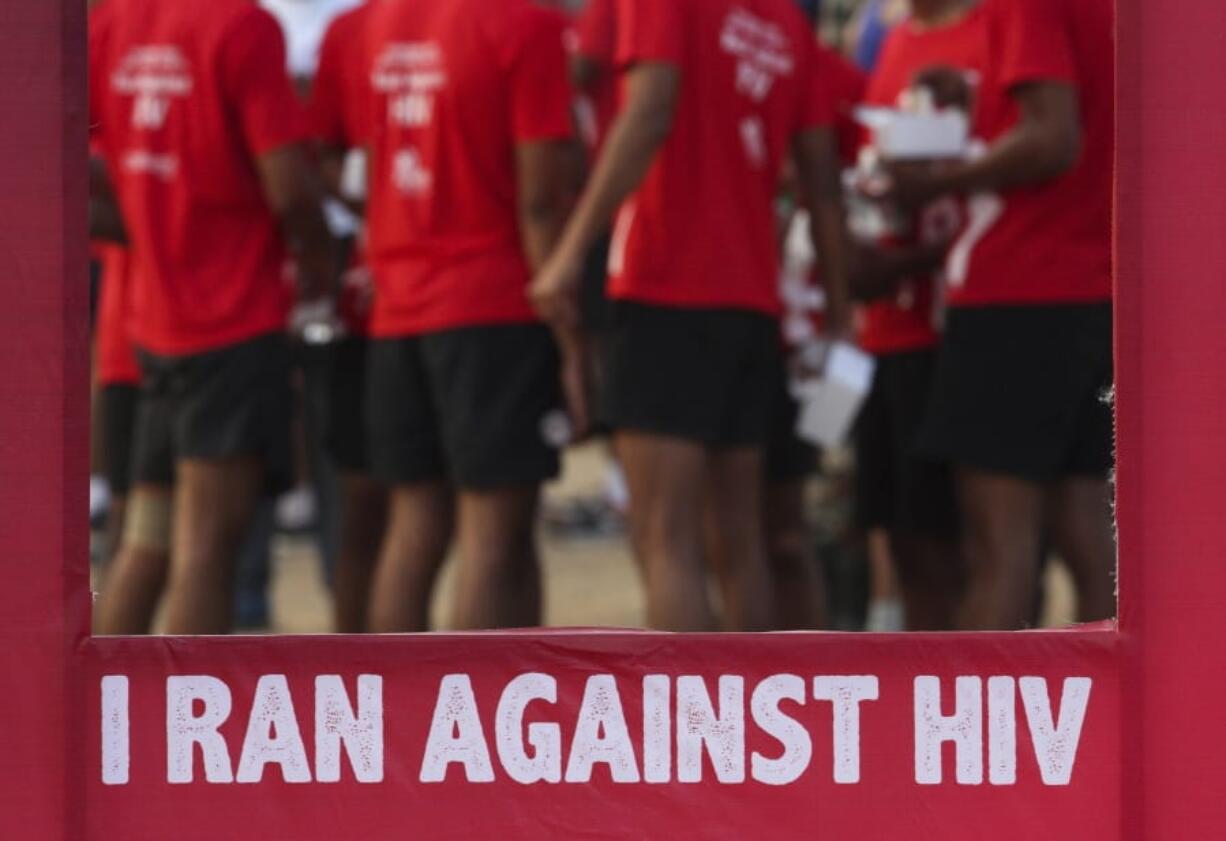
(304, 23)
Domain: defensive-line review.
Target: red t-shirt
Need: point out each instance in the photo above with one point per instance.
(700, 230)
(339, 91)
(596, 31)
(909, 320)
(455, 87)
(183, 97)
(115, 356)
(1046, 243)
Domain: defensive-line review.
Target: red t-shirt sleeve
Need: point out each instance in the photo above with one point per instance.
(327, 95)
(597, 31)
(649, 30)
(1033, 42)
(541, 95)
(261, 96)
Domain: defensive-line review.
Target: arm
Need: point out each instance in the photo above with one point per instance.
(294, 192)
(1045, 144)
(547, 182)
(585, 71)
(636, 136)
(877, 272)
(820, 187)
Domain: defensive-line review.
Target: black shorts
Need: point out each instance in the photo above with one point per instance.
(789, 458)
(704, 375)
(896, 487)
(478, 406)
(1022, 391)
(595, 305)
(233, 402)
(345, 432)
(118, 404)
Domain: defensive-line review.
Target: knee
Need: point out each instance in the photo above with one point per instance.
(147, 526)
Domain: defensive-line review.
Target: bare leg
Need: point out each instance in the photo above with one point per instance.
(364, 514)
(136, 575)
(882, 571)
(112, 538)
(933, 580)
(800, 590)
(498, 583)
(667, 478)
(418, 534)
(1079, 512)
(215, 503)
(735, 484)
(1002, 540)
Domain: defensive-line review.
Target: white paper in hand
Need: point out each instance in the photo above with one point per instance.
(831, 402)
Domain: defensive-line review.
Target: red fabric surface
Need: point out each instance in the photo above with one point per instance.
(1147, 770)
(44, 328)
(1171, 256)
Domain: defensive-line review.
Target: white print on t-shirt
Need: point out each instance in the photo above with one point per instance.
(144, 162)
(409, 174)
(753, 136)
(983, 211)
(763, 50)
(154, 75)
(410, 74)
(939, 223)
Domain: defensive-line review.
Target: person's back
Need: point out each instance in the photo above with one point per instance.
(716, 93)
(700, 229)
(202, 133)
(182, 106)
(470, 168)
(443, 224)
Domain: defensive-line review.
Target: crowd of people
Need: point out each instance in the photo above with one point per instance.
(515, 226)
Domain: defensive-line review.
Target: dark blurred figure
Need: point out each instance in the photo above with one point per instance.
(1018, 403)
(715, 94)
(202, 134)
(471, 170)
(339, 105)
(906, 502)
(799, 579)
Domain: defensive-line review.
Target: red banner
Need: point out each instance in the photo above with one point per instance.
(608, 735)
(1091, 734)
